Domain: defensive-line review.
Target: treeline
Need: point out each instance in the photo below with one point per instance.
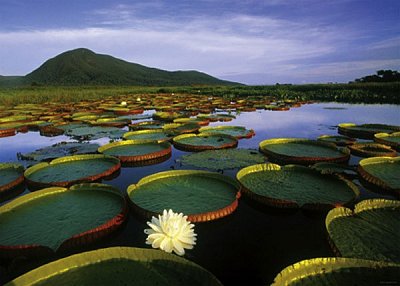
(348, 93)
(381, 76)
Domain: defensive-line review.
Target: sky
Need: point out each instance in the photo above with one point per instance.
(249, 41)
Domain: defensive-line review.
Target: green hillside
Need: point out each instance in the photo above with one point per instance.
(84, 67)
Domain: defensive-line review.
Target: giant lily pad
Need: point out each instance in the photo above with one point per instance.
(200, 195)
(66, 171)
(11, 175)
(200, 142)
(366, 149)
(365, 131)
(371, 231)
(155, 134)
(333, 271)
(136, 150)
(235, 131)
(119, 266)
(223, 159)
(93, 132)
(302, 151)
(60, 150)
(294, 186)
(381, 173)
(392, 140)
(181, 128)
(56, 217)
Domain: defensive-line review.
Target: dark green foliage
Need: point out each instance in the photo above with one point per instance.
(381, 76)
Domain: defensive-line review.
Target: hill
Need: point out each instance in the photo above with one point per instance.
(84, 67)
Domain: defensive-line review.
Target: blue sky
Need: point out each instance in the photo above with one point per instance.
(249, 41)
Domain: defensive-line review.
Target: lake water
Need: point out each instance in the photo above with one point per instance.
(252, 245)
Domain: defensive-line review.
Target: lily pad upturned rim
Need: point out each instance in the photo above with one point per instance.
(285, 203)
(382, 139)
(34, 168)
(166, 151)
(199, 217)
(19, 169)
(94, 257)
(302, 160)
(373, 181)
(76, 240)
(317, 267)
(360, 207)
(217, 129)
(380, 150)
(193, 147)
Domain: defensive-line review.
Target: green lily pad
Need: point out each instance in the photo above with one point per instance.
(11, 175)
(337, 139)
(145, 125)
(371, 231)
(302, 151)
(392, 140)
(167, 116)
(333, 168)
(136, 150)
(235, 131)
(94, 132)
(200, 142)
(294, 186)
(381, 173)
(367, 149)
(365, 131)
(155, 134)
(200, 195)
(60, 150)
(119, 266)
(333, 271)
(39, 219)
(217, 117)
(66, 171)
(181, 128)
(223, 159)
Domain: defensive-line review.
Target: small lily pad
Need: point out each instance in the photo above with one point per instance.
(366, 149)
(155, 134)
(94, 132)
(235, 131)
(392, 140)
(366, 131)
(371, 231)
(200, 142)
(337, 139)
(223, 159)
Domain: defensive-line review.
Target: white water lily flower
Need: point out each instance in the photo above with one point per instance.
(171, 232)
(123, 103)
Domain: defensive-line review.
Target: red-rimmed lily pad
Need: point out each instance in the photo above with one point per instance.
(366, 131)
(200, 142)
(57, 218)
(371, 231)
(201, 195)
(302, 151)
(295, 186)
(119, 266)
(11, 175)
(333, 271)
(367, 149)
(235, 131)
(381, 174)
(392, 140)
(69, 170)
(145, 125)
(136, 150)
